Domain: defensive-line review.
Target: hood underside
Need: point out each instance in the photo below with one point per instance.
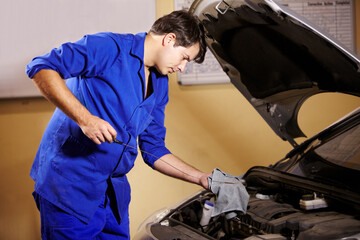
(276, 58)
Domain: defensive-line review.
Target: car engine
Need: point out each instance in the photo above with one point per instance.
(284, 215)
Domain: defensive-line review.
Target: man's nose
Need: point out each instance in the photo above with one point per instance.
(182, 66)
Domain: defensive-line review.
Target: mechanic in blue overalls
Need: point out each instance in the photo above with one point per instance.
(116, 88)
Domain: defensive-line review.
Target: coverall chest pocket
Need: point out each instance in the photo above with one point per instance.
(140, 119)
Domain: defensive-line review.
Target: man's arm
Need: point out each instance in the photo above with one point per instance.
(53, 87)
(173, 166)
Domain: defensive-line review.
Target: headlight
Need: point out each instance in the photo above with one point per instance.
(155, 217)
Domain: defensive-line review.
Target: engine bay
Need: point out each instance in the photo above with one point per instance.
(283, 215)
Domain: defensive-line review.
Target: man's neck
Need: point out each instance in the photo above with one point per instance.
(151, 47)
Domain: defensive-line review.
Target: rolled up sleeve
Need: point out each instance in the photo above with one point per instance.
(87, 57)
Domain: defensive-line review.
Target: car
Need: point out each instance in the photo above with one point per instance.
(277, 60)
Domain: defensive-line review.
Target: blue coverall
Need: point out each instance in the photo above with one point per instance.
(105, 72)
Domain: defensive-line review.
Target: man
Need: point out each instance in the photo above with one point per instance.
(116, 88)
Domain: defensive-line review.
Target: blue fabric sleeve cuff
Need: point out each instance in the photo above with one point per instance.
(155, 155)
(34, 67)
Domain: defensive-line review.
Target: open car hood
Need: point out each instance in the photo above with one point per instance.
(276, 58)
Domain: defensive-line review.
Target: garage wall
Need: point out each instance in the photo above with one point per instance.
(208, 127)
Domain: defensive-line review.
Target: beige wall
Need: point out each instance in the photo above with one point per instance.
(208, 126)
(22, 123)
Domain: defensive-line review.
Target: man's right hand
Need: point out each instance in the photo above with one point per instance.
(98, 130)
(53, 87)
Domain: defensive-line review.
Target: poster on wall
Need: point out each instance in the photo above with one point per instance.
(335, 17)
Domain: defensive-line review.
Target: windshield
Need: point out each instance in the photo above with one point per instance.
(343, 150)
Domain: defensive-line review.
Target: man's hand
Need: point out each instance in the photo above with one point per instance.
(204, 180)
(53, 87)
(98, 130)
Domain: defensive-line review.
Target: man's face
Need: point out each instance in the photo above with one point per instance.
(174, 58)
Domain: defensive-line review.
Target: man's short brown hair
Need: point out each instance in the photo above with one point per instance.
(187, 28)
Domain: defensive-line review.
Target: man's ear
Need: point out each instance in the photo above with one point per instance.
(169, 38)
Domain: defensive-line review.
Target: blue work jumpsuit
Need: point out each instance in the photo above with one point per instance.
(105, 72)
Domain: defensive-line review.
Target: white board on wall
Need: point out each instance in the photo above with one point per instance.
(30, 28)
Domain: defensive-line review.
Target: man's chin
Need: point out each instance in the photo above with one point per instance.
(163, 72)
